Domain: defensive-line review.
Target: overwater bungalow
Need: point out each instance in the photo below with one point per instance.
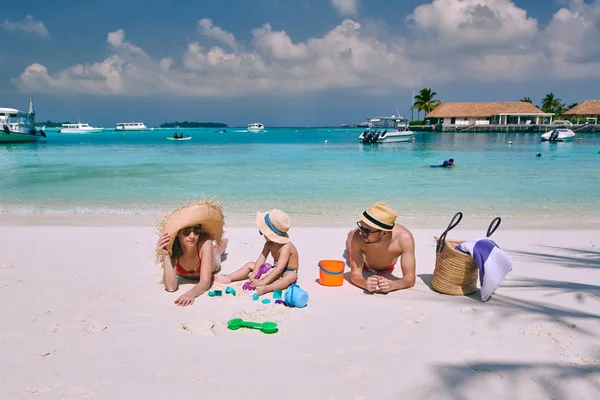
(586, 112)
(488, 113)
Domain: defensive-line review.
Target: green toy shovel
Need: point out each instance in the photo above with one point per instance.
(265, 327)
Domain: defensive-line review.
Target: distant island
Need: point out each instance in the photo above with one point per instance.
(51, 124)
(186, 124)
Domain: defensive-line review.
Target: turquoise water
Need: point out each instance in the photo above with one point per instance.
(295, 170)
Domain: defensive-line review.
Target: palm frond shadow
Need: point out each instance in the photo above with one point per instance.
(555, 288)
(508, 380)
(569, 257)
(510, 307)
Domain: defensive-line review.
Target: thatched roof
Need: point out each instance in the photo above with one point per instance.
(483, 109)
(588, 107)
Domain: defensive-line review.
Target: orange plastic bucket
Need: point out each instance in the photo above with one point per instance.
(331, 272)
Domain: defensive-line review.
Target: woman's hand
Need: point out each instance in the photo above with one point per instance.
(162, 244)
(186, 299)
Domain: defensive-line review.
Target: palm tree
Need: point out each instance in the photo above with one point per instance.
(424, 101)
(526, 100)
(416, 107)
(560, 109)
(551, 103)
(572, 106)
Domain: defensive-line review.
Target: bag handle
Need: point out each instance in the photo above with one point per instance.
(442, 241)
(492, 228)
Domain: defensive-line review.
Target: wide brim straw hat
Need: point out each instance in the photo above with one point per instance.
(275, 225)
(206, 213)
(379, 216)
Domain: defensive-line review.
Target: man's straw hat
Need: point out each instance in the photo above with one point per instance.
(379, 216)
(275, 225)
(205, 213)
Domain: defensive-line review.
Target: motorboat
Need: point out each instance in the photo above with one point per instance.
(78, 128)
(18, 126)
(256, 127)
(558, 135)
(132, 126)
(387, 130)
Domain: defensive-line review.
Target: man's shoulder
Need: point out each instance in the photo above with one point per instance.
(402, 233)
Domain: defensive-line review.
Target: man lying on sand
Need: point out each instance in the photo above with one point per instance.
(375, 246)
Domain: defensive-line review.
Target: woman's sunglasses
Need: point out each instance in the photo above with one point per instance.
(188, 230)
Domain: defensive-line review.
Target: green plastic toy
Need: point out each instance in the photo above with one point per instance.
(265, 327)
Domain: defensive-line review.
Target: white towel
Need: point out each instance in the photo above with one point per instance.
(494, 264)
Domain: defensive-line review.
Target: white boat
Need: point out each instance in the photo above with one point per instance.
(18, 126)
(132, 126)
(387, 130)
(558, 135)
(256, 127)
(78, 128)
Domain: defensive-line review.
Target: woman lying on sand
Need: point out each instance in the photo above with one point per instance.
(186, 248)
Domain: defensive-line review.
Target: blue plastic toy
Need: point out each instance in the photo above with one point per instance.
(296, 296)
(266, 301)
(230, 290)
(277, 294)
(218, 293)
(211, 294)
(254, 297)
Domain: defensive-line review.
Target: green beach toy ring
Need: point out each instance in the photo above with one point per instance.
(265, 327)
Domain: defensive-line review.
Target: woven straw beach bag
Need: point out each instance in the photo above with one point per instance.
(455, 272)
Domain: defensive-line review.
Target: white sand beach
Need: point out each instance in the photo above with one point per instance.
(84, 316)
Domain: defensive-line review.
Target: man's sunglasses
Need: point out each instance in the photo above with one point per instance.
(188, 230)
(365, 232)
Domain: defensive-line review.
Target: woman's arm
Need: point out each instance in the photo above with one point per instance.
(169, 274)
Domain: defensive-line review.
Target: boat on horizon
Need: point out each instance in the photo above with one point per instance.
(256, 127)
(78, 128)
(132, 126)
(18, 126)
(387, 130)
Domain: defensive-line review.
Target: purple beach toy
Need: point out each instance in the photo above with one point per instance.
(263, 269)
(279, 302)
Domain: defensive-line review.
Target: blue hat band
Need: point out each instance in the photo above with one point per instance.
(272, 227)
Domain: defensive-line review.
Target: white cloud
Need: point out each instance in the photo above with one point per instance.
(474, 21)
(206, 28)
(28, 25)
(345, 7)
(278, 44)
(349, 57)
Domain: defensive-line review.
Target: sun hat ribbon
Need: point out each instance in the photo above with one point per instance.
(272, 227)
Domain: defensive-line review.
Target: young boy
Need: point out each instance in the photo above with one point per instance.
(274, 226)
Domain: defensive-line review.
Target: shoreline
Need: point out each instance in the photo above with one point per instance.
(42, 218)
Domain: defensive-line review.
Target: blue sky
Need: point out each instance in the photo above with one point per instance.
(289, 62)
